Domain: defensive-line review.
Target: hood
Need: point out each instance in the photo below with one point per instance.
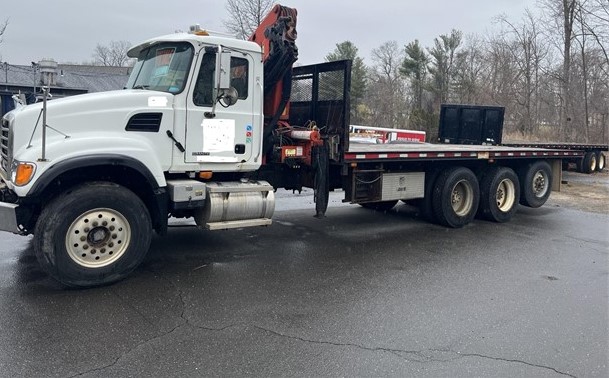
(102, 111)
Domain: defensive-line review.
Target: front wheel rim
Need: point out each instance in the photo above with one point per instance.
(506, 195)
(462, 198)
(98, 238)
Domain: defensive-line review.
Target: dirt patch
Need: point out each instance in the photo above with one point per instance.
(583, 192)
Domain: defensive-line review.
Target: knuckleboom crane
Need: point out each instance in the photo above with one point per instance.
(283, 142)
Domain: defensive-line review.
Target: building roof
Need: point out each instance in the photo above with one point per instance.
(69, 76)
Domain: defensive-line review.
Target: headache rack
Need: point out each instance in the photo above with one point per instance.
(320, 94)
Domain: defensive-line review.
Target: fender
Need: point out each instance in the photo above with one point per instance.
(87, 161)
(158, 202)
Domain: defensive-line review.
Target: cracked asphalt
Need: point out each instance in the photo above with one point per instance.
(357, 293)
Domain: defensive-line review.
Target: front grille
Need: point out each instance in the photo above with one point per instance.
(5, 147)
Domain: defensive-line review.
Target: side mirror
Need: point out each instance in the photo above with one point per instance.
(225, 94)
(228, 97)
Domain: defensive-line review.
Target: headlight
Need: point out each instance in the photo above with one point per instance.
(23, 172)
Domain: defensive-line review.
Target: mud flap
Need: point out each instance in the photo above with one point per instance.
(321, 166)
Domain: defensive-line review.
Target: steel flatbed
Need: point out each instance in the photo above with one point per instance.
(358, 152)
(562, 146)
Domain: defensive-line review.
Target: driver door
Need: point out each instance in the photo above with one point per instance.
(224, 141)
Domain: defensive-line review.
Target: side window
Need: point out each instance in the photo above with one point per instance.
(238, 76)
(204, 87)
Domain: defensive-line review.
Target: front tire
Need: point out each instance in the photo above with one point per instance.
(95, 234)
(456, 196)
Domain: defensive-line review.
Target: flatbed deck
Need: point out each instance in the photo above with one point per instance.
(428, 151)
(562, 146)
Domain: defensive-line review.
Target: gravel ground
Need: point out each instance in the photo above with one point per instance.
(584, 192)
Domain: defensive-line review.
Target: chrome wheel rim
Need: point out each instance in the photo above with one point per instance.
(462, 198)
(98, 238)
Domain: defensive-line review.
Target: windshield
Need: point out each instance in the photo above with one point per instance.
(163, 67)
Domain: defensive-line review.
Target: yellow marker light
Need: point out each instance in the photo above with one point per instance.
(24, 173)
(196, 30)
(205, 175)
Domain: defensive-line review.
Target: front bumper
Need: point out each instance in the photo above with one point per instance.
(8, 218)
(8, 212)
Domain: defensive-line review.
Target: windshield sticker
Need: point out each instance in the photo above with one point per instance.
(218, 135)
(163, 60)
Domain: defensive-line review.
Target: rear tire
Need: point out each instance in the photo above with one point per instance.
(499, 194)
(600, 161)
(93, 235)
(535, 184)
(589, 163)
(456, 196)
(425, 203)
(379, 206)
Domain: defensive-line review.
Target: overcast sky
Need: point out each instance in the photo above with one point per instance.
(69, 30)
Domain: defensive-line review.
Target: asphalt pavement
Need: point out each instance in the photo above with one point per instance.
(357, 293)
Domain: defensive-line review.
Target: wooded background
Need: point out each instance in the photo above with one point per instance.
(549, 69)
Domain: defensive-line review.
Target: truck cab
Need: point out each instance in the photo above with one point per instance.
(191, 110)
(216, 86)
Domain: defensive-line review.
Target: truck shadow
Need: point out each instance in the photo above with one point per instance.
(342, 232)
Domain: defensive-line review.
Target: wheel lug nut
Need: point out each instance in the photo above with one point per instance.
(82, 238)
(85, 247)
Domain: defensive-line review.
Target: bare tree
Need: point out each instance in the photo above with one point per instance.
(246, 15)
(387, 94)
(561, 17)
(114, 54)
(469, 72)
(594, 18)
(3, 26)
(525, 44)
(591, 35)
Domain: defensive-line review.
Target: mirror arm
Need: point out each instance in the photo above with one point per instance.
(212, 114)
